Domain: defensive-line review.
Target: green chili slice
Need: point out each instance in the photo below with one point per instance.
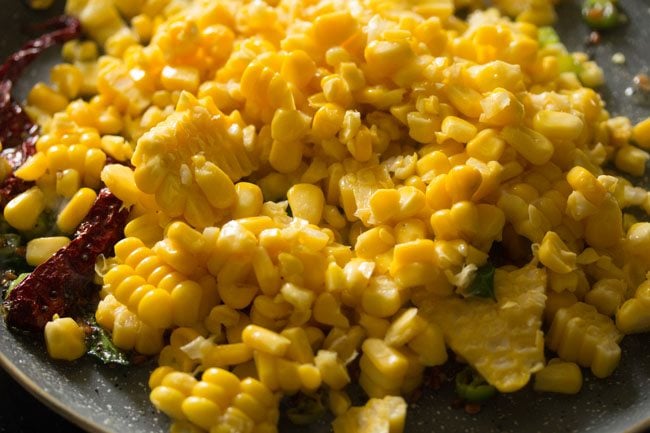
(601, 14)
(471, 387)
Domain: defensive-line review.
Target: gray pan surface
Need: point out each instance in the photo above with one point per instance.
(114, 400)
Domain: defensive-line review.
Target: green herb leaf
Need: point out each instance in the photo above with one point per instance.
(483, 284)
(102, 348)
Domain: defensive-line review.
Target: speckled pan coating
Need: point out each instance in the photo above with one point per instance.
(115, 400)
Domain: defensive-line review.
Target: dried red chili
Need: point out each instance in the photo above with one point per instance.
(18, 133)
(60, 284)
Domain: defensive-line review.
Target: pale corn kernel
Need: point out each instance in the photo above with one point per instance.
(555, 254)
(332, 370)
(530, 144)
(40, 249)
(458, 129)
(116, 147)
(65, 339)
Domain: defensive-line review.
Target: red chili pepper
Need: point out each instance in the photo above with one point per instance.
(62, 283)
(18, 134)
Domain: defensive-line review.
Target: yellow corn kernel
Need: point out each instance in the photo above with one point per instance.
(300, 350)
(180, 78)
(558, 125)
(306, 202)
(264, 340)
(382, 297)
(248, 202)
(580, 334)
(65, 339)
(225, 355)
(201, 411)
(374, 242)
(334, 28)
(389, 361)
(641, 133)
(554, 254)
(267, 370)
(607, 295)
(404, 328)
(22, 211)
(332, 369)
(586, 183)
(40, 249)
(223, 378)
(430, 346)
(374, 326)
(339, 402)
(76, 209)
(633, 315)
(35, 167)
(156, 308)
(458, 129)
(486, 146)
(116, 147)
(530, 144)
(257, 390)
(250, 406)
(47, 99)
(186, 298)
(68, 79)
(143, 26)
(327, 310)
(169, 401)
(462, 181)
(465, 99)
(632, 160)
(559, 376)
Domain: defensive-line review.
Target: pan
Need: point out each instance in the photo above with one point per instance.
(114, 400)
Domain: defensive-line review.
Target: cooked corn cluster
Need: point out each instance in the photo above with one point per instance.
(314, 184)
